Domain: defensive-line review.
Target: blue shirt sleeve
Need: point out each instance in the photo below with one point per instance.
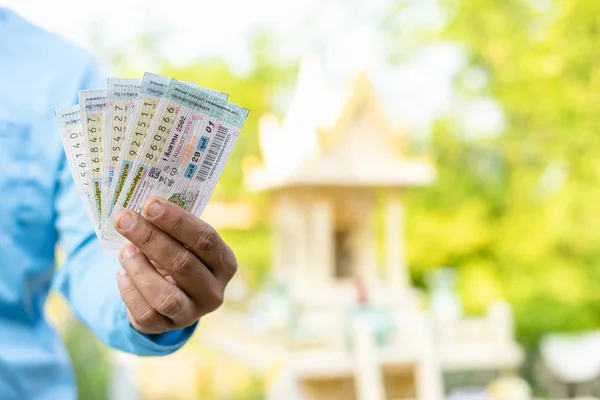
(88, 277)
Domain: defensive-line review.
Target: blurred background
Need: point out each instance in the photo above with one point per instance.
(412, 200)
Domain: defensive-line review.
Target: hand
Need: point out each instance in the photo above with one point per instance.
(174, 271)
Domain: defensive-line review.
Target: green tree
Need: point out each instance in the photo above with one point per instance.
(517, 213)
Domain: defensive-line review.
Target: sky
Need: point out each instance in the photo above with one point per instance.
(347, 36)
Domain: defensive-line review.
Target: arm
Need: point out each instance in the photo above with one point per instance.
(174, 271)
(88, 281)
(88, 278)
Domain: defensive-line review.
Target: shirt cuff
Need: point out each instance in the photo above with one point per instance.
(158, 344)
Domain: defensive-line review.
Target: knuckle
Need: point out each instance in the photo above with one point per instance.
(136, 272)
(145, 317)
(216, 299)
(205, 241)
(169, 303)
(233, 270)
(127, 288)
(228, 265)
(232, 263)
(147, 236)
(178, 222)
(183, 261)
(189, 319)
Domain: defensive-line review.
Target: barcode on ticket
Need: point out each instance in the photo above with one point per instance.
(213, 153)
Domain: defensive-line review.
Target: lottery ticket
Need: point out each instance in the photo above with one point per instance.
(150, 92)
(202, 161)
(121, 97)
(92, 104)
(192, 131)
(139, 138)
(73, 140)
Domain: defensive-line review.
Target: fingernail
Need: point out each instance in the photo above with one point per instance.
(129, 252)
(155, 210)
(122, 271)
(126, 222)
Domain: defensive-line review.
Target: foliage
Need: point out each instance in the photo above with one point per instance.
(516, 213)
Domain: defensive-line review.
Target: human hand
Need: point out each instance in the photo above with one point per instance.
(174, 271)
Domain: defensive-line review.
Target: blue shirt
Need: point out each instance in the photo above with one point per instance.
(40, 209)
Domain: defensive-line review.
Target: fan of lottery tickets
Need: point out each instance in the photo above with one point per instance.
(151, 137)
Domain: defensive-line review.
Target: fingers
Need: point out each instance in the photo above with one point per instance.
(163, 296)
(196, 234)
(182, 265)
(141, 315)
